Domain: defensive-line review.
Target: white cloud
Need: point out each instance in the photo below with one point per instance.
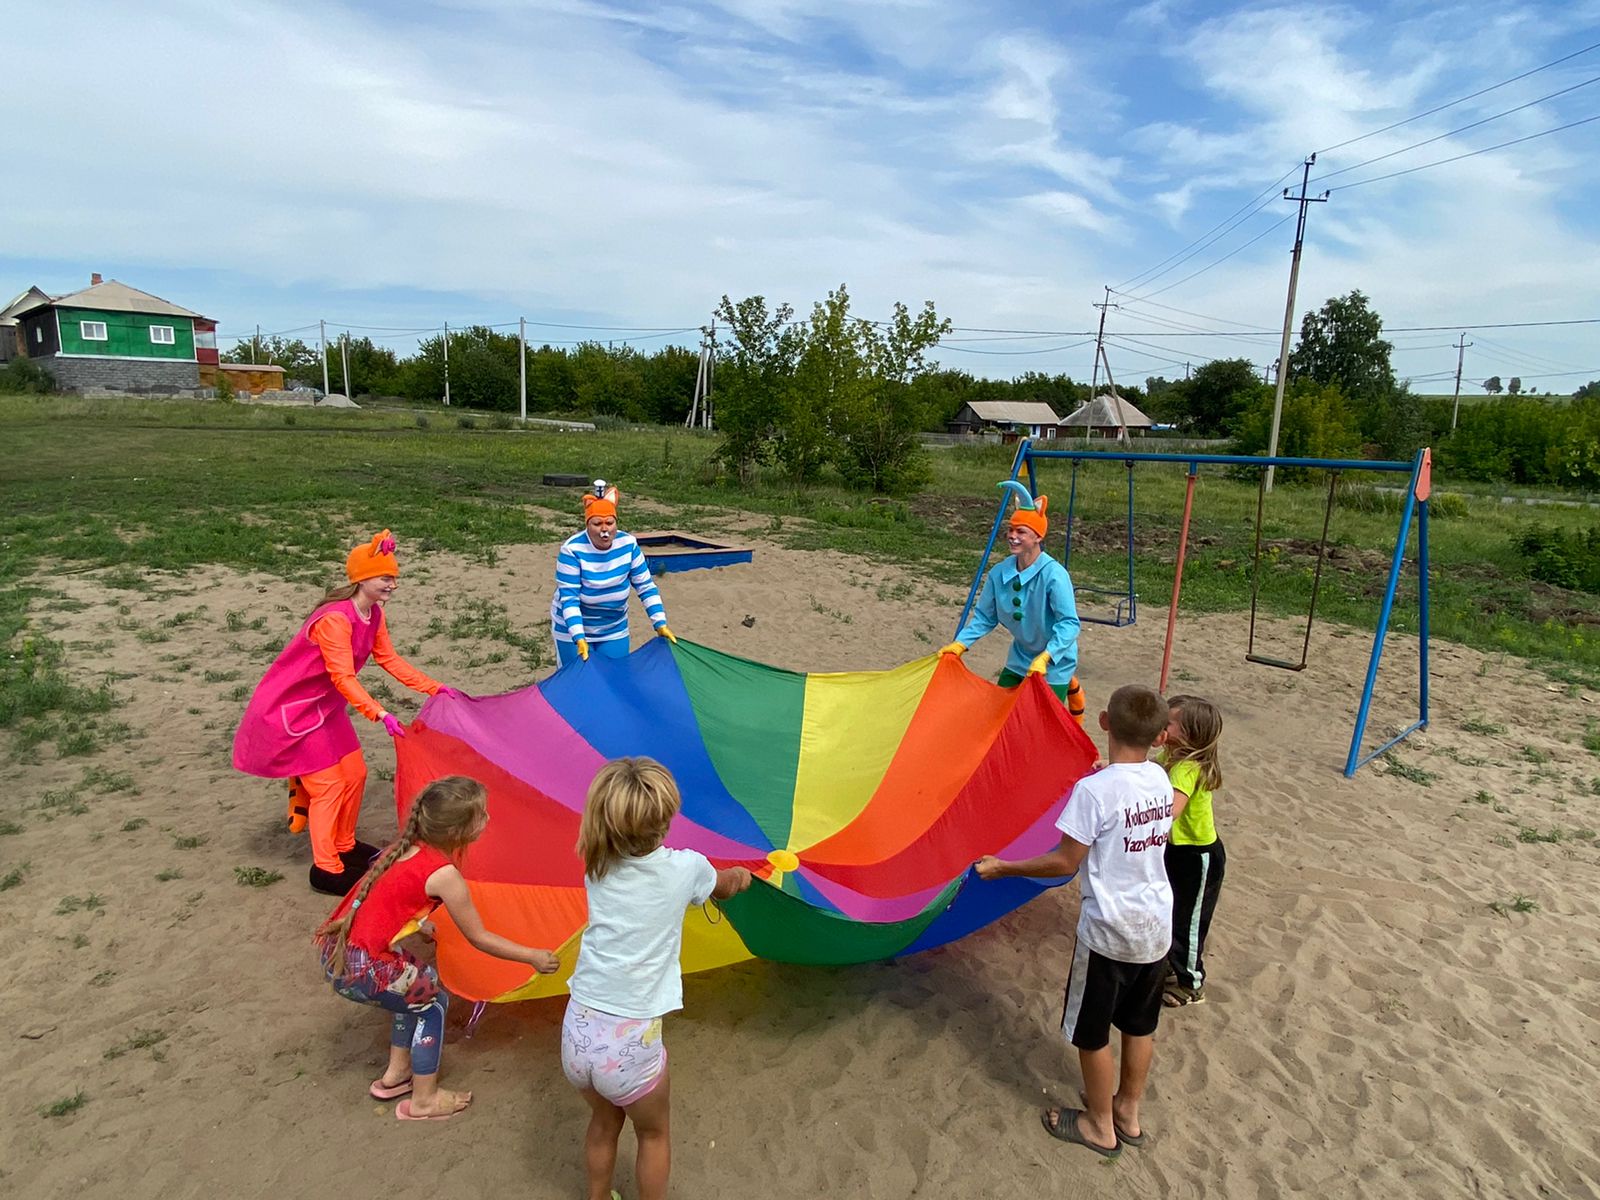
(636, 163)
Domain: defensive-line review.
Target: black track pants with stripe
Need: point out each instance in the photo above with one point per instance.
(1196, 875)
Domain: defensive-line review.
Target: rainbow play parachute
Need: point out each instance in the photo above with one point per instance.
(860, 800)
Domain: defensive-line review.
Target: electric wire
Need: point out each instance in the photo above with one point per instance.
(1469, 154)
(1462, 129)
(1440, 108)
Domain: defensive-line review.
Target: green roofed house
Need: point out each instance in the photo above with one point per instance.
(114, 337)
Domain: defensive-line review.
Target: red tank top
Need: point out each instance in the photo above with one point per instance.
(396, 898)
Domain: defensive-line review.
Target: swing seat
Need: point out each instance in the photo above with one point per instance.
(1282, 664)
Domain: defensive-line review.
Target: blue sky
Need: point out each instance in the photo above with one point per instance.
(392, 166)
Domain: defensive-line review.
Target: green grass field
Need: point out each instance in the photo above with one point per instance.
(171, 486)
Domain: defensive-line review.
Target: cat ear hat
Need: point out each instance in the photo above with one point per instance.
(372, 559)
(1030, 510)
(600, 501)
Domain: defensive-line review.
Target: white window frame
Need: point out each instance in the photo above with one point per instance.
(38, 334)
(84, 328)
(171, 338)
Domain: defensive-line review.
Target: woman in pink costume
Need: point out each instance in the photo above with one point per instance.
(296, 726)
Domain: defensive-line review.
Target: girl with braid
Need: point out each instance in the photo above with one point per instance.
(363, 965)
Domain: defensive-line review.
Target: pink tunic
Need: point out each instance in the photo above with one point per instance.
(297, 721)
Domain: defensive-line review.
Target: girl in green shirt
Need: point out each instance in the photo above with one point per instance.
(1194, 855)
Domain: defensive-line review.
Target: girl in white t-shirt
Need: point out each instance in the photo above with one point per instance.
(628, 976)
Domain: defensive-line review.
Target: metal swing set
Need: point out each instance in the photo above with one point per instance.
(1124, 599)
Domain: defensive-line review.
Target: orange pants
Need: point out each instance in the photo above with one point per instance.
(332, 797)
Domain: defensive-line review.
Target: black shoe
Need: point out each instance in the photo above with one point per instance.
(359, 857)
(335, 883)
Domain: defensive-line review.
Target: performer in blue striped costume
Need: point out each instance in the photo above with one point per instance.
(594, 571)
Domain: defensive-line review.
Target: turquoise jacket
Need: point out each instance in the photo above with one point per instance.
(1037, 607)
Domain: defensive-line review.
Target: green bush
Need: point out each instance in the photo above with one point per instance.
(1317, 423)
(27, 378)
(466, 422)
(1561, 559)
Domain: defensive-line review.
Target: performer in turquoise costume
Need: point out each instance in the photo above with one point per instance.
(1030, 593)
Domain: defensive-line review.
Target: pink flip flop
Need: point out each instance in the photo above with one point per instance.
(402, 1112)
(389, 1091)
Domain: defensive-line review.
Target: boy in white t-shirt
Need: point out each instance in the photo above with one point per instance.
(1115, 825)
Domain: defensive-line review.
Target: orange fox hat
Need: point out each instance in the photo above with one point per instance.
(600, 502)
(1033, 518)
(372, 559)
(1030, 509)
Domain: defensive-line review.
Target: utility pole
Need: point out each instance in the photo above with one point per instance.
(522, 368)
(1186, 372)
(344, 363)
(700, 406)
(253, 346)
(447, 364)
(1461, 354)
(322, 337)
(1288, 309)
(1099, 354)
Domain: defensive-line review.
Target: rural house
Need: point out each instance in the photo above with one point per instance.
(1015, 418)
(1101, 414)
(110, 336)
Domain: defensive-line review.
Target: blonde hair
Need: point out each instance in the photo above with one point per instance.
(344, 591)
(630, 805)
(448, 815)
(1199, 731)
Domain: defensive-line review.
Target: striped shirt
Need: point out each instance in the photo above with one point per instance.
(591, 600)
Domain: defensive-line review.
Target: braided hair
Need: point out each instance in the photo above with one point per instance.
(448, 815)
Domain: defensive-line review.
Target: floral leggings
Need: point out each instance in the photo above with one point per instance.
(411, 993)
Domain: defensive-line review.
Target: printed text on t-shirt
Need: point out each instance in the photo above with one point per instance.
(1134, 818)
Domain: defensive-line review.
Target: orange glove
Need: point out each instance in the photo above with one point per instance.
(1040, 663)
(663, 631)
(583, 648)
(955, 648)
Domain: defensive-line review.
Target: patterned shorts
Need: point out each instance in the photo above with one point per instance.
(622, 1058)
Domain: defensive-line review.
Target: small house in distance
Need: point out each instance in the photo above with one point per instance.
(1100, 416)
(113, 337)
(1013, 418)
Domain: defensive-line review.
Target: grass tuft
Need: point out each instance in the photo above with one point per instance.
(67, 1104)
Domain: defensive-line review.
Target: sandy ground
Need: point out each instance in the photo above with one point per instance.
(1374, 1027)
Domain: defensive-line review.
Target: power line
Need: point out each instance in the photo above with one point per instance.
(1220, 261)
(1470, 154)
(1030, 350)
(1440, 137)
(1481, 92)
(1253, 203)
(1200, 316)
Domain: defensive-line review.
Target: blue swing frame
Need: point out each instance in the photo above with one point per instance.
(1415, 512)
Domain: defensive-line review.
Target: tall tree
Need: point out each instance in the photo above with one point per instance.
(763, 345)
(1515, 385)
(1342, 344)
(879, 423)
(1211, 401)
(1492, 385)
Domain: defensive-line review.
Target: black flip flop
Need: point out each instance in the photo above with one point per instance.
(1124, 1137)
(1066, 1129)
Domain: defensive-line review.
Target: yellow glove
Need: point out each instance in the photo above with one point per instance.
(1040, 663)
(955, 648)
(663, 631)
(583, 648)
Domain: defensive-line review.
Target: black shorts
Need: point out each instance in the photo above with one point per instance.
(1102, 992)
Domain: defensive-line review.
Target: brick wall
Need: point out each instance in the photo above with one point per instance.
(122, 375)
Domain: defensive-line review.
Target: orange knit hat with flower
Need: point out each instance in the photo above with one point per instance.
(1034, 518)
(601, 502)
(372, 559)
